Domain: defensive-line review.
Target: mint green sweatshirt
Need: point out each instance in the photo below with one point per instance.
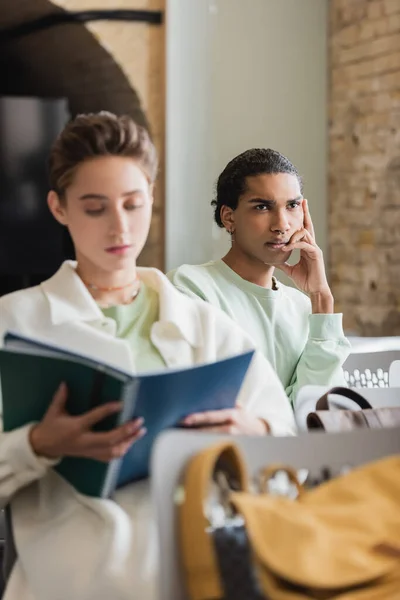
(303, 348)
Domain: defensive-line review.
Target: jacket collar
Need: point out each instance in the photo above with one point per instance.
(70, 301)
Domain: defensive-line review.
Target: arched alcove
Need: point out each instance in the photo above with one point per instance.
(64, 61)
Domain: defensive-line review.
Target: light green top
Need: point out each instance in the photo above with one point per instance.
(134, 322)
(303, 348)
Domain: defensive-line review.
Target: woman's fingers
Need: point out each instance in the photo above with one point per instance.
(210, 417)
(123, 447)
(116, 451)
(228, 428)
(111, 438)
(99, 413)
(59, 434)
(59, 400)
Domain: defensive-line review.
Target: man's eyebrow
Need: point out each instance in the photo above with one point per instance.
(261, 201)
(272, 202)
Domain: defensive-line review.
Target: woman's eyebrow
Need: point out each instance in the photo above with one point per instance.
(94, 196)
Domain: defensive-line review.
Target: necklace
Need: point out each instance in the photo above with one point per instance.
(97, 288)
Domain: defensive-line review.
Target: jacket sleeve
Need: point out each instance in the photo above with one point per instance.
(323, 356)
(19, 465)
(262, 392)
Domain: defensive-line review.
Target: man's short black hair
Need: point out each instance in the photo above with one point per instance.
(231, 183)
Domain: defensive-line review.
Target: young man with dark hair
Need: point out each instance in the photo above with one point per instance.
(259, 201)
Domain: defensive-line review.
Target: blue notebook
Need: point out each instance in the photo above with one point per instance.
(31, 371)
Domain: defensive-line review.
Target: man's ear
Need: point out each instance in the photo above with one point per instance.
(57, 207)
(228, 218)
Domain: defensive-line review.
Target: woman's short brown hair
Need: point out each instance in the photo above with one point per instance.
(93, 135)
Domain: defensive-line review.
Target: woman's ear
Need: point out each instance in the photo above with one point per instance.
(56, 207)
(228, 218)
(151, 193)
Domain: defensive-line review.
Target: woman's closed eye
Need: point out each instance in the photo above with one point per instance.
(95, 212)
(134, 206)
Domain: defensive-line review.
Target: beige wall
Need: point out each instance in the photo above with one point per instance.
(364, 191)
(270, 90)
(241, 74)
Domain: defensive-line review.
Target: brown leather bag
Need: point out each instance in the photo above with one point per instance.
(333, 421)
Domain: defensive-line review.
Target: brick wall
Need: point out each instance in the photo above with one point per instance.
(364, 181)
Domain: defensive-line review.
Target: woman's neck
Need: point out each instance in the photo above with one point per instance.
(109, 288)
(249, 269)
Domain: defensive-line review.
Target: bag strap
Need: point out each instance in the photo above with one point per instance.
(323, 403)
(340, 420)
(199, 559)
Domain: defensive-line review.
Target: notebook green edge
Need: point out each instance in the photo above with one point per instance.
(28, 383)
(31, 371)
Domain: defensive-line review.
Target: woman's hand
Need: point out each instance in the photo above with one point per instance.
(59, 434)
(309, 273)
(232, 420)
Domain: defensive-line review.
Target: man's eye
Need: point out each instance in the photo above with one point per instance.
(261, 207)
(293, 204)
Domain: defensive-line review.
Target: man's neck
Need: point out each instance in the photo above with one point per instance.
(249, 269)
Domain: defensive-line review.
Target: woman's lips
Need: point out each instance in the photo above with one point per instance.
(119, 249)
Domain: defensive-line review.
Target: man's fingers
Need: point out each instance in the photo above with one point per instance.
(308, 238)
(310, 249)
(59, 400)
(99, 413)
(300, 236)
(211, 417)
(297, 236)
(286, 268)
(308, 224)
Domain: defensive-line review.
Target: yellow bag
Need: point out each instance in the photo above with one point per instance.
(340, 540)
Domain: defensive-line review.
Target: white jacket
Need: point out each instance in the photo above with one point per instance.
(72, 546)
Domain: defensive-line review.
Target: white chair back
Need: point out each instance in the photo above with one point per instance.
(374, 344)
(370, 369)
(314, 452)
(394, 374)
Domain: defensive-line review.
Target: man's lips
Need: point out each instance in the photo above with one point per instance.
(276, 244)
